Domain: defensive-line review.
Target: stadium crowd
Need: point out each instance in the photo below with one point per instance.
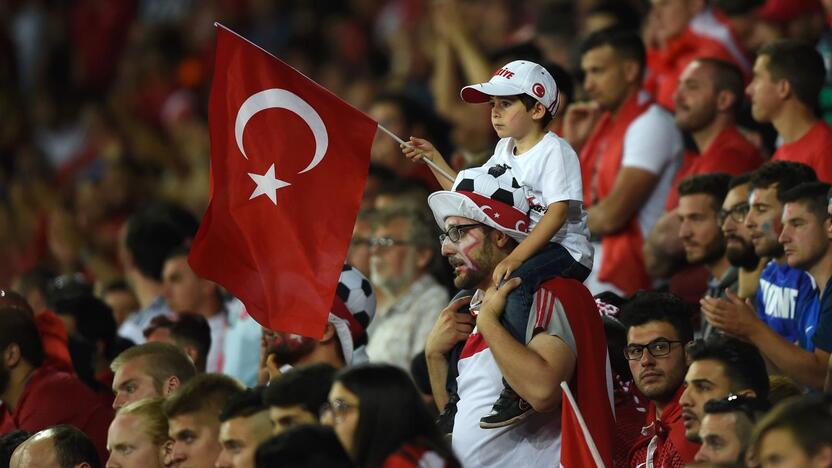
(692, 322)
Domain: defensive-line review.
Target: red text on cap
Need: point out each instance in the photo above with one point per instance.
(504, 72)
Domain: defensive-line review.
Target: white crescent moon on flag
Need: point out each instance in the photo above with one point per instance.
(277, 98)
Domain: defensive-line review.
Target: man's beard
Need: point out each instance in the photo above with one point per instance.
(289, 348)
(744, 258)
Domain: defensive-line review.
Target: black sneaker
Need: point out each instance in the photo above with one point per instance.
(445, 420)
(507, 410)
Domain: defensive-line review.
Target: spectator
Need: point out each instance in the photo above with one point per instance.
(738, 247)
(380, 420)
(353, 309)
(306, 446)
(62, 445)
(244, 425)
(401, 254)
(185, 292)
(145, 241)
(193, 418)
(658, 328)
(629, 149)
(8, 443)
(726, 428)
(138, 436)
(720, 366)
(149, 370)
(243, 335)
(700, 199)
(709, 96)
(788, 76)
(788, 301)
(559, 344)
(35, 396)
(295, 397)
(795, 433)
(189, 332)
(120, 298)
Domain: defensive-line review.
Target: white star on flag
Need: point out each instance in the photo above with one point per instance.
(267, 184)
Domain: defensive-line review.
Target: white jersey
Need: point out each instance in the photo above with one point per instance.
(550, 172)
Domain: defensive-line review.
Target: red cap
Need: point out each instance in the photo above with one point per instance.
(784, 11)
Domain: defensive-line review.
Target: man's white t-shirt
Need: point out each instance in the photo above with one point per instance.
(550, 172)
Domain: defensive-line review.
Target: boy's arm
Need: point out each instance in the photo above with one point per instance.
(546, 228)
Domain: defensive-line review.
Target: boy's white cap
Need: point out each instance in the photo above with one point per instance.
(518, 77)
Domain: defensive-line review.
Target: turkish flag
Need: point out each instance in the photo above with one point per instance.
(289, 161)
(577, 448)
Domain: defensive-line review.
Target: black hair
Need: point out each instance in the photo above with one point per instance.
(752, 407)
(17, 326)
(307, 386)
(391, 413)
(714, 184)
(653, 306)
(738, 180)
(786, 174)
(156, 230)
(304, 446)
(742, 362)
(813, 194)
(800, 64)
(737, 7)
(626, 43)
(73, 447)
(194, 330)
(93, 317)
(529, 102)
(626, 17)
(727, 77)
(244, 404)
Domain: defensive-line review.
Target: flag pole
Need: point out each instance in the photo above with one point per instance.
(596, 456)
(426, 160)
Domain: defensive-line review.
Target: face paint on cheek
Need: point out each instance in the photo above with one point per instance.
(465, 247)
(767, 228)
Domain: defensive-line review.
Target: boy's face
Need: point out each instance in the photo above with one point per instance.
(510, 118)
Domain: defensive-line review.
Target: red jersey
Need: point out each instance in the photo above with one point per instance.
(53, 397)
(813, 149)
(667, 435)
(417, 455)
(729, 152)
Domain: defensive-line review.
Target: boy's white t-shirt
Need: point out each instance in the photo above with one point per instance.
(550, 172)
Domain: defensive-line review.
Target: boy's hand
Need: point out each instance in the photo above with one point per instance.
(494, 302)
(420, 148)
(504, 269)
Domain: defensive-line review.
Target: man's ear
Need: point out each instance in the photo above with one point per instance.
(784, 89)
(725, 100)
(423, 258)
(329, 333)
(12, 356)
(632, 71)
(83, 465)
(501, 239)
(192, 353)
(171, 385)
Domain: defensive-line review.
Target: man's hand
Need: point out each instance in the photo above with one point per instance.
(451, 327)
(505, 268)
(579, 122)
(494, 302)
(732, 315)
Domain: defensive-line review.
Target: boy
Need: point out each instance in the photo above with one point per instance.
(524, 99)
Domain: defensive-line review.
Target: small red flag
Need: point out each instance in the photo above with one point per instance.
(577, 450)
(289, 162)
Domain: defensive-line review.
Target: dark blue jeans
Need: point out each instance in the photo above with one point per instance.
(552, 260)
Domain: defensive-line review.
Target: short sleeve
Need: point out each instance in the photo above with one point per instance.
(547, 315)
(652, 141)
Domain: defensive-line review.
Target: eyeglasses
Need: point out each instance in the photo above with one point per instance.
(737, 213)
(454, 233)
(387, 242)
(657, 348)
(356, 241)
(337, 409)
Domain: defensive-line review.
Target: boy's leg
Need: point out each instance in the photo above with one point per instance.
(553, 260)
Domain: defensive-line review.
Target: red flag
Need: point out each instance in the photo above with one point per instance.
(289, 161)
(577, 448)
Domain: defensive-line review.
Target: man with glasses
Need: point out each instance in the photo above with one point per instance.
(726, 428)
(658, 328)
(719, 366)
(558, 341)
(402, 251)
(738, 247)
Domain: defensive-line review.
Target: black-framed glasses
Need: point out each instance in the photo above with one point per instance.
(737, 213)
(455, 233)
(656, 348)
(337, 409)
(387, 242)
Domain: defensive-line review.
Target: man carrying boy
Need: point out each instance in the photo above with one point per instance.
(555, 241)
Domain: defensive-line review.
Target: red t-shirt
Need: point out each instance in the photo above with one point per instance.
(53, 397)
(729, 152)
(813, 149)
